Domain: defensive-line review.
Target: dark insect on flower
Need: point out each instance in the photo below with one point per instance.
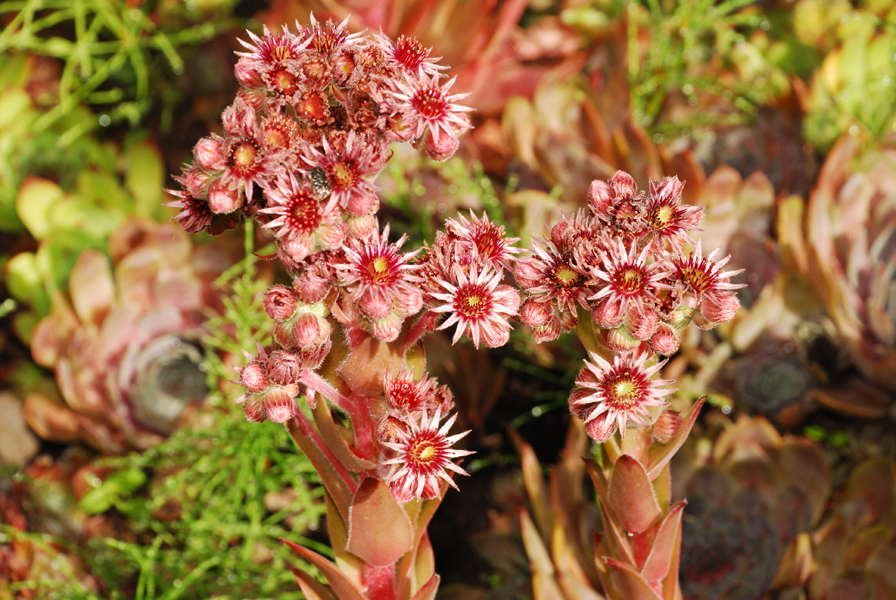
(319, 183)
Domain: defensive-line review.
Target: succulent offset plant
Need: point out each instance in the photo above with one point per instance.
(843, 241)
(637, 553)
(855, 548)
(125, 347)
(853, 87)
(754, 494)
(42, 528)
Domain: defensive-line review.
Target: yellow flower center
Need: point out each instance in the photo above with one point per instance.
(425, 452)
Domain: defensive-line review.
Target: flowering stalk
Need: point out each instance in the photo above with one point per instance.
(304, 141)
(620, 276)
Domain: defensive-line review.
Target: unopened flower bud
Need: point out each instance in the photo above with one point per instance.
(247, 74)
(600, 197)
(527, 273)
(254, 98)
(507, 297)
(298, 248)
(360, 205)
(208, 154)
(254, 410)
(719, 308)
(496, 336)
(386, 329)
(306, 330)
(548, 332)
(619, 340)
(609, 315)
(443, 148)
(362, 227)
(284, 367)
(641, 322)
(568, 320)
(310, 287)
(666, 427)
(665, 340)
(388, 429)
(408, 303)
(332, 236)
(280, 302)
(667, 188)
(254, 377)
(681, 316)
(623, 184)
(223, 199)
(283, 334)
(585, 377)
(375, 306)
(557, 232)
(312, 358)
(534, 313)
(279, 404)
(445, 399)
(195, 182)
(600, 429)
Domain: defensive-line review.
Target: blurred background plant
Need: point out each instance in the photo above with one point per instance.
(200, 513)
(778, 115)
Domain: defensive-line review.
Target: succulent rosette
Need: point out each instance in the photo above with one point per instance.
(854, 549)
(125, 342)
(747, 501)
(845, 246)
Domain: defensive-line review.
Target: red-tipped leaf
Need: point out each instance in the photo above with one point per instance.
(341, 586)
(628, 583)
(665, 546)
(665, 452)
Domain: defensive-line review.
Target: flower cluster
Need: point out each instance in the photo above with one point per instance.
(310, 130)
(302, 146)
(624, 261)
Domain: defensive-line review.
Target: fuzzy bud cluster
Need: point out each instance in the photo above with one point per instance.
(624, 262)
(309, 132)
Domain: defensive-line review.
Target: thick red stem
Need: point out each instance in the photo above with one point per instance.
(380, 582)
(366, 439)
(307, 429)
(323, 387)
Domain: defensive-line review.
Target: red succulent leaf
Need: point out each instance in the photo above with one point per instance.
(429, 589)
(666, 546)
(379, 530)
(311, 587)
(632, 497)
(628, 584)
(363, 369)
(665, 452)
(340, 584)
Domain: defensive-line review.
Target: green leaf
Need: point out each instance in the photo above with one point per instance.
(145, 178)
(23, 278)
(34, 203)
(14, 103)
